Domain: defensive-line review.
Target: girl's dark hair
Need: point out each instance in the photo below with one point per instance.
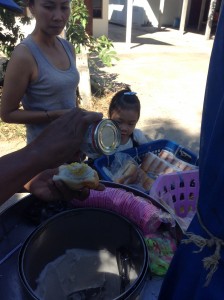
(124, 99)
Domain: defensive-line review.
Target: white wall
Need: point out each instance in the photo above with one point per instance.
(100, 26)
(145, 11)
(172, 10)
(117, 11)
(152, 11)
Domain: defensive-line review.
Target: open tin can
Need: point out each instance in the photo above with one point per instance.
(102, 138)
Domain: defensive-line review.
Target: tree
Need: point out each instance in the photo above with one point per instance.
(10, 32)
(10, 29)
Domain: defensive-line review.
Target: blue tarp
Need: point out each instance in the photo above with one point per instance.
(189, 271)
(11, 5)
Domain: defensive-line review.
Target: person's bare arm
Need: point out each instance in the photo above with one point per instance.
(16, 169)
(21, 71)
(49, 150)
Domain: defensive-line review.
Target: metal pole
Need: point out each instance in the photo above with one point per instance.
(129, 21)
(210, 19)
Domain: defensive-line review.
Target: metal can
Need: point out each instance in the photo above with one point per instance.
(102, 138)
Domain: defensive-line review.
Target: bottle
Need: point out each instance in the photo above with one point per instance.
(102, 138)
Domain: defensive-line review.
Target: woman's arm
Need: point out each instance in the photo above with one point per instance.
(21, 71)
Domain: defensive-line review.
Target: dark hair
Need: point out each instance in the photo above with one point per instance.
(124, 99)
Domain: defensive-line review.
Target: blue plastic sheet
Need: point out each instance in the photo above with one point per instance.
(188, 275)
(11, 5)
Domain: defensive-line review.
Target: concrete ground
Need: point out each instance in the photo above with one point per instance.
(168, 70)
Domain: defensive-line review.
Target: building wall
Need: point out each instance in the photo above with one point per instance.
(146, 12)
(117, 11)
(100, 26)
(152, 12)
(172, 10)
(89, 27)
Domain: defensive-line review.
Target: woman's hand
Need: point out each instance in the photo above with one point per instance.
(43, 187)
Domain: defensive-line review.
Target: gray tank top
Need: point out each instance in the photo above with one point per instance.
(54, 89)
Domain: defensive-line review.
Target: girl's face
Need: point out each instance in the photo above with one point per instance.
(127, 120)
(51, 15)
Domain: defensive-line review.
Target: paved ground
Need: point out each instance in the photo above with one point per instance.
(168, 70)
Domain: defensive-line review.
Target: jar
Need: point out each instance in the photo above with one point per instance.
(102, 138)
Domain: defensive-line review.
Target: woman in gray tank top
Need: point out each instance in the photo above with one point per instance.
(41, 73)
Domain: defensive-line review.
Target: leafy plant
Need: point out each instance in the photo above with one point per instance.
(10, 32)
(10, 29)
(104, 47)
(76, 33)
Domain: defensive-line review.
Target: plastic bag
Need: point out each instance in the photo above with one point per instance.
(119, 165)
(167, 201)
(161, 248)
(126, 170)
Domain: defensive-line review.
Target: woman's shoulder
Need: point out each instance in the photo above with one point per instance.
(21, 64)
(22, 53)
(24, 45)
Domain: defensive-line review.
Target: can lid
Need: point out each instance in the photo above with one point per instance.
(107, 136)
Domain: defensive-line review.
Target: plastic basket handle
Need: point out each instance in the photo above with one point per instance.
(184, 155)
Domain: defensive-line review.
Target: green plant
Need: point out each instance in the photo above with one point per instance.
(10, 32)
(75, 31)
(10, 29)
(104, 48)
(77, 35)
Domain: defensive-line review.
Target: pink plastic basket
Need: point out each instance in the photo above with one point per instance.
(178, 190)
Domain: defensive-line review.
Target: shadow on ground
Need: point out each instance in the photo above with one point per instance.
(103, 82)
(117, 33)
(170, 130)
(157, 128)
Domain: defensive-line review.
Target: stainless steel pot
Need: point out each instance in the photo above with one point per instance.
(89, 229)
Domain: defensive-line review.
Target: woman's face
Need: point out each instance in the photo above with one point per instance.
(51, 15)
(127, 120)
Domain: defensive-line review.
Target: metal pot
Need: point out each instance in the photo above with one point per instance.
(92, 230)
